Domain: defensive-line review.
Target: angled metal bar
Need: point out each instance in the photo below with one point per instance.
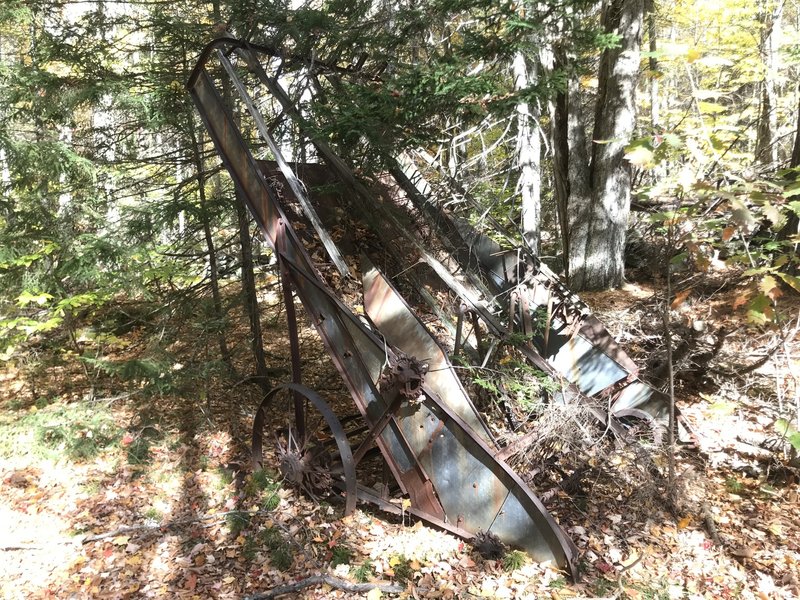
(294, 183)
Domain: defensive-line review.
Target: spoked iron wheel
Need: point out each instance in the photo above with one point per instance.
(312, 448)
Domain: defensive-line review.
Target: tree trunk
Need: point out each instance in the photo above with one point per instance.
(792, 225)
(652, 35)
(572, 175)
(597, 236)
(250, 297)
(219, 311)
(529, 152)
(795, 160)
(766, 151)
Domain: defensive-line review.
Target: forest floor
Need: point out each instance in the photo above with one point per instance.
(120, 492)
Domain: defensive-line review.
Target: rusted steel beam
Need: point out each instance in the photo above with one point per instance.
(294, 183)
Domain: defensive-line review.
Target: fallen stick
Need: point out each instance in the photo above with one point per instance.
(339, 584)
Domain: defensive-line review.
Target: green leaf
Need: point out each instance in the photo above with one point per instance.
(775, 216)
(672, 140)
(785, 429)
(679, 258)
(760, 310)
(790, 280)
(26, 298)
(792, 189)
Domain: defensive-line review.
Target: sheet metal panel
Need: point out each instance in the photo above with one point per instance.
(403, 330)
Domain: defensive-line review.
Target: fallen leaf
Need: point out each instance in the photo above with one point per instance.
(743, 552)
(684, 522)
(631, 560)
(603, 566)
(776, 528)
(191, 581)
(374, 594)
(680, 298)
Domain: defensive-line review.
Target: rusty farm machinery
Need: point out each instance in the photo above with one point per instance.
(412, 407)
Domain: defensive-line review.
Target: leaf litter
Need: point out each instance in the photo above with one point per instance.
(187, 521)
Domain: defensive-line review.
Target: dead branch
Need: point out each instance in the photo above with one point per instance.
(335, 582)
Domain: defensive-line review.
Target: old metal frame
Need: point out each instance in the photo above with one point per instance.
(435, 456)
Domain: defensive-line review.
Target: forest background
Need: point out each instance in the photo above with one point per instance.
(653, 142)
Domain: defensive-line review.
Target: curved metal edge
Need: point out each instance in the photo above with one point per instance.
(653, 423)
(567, 546)
(330, 418)
(233, 43)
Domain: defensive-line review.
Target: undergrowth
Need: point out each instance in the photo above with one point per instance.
(77, 431)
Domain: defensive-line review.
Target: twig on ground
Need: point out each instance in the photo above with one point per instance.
(339, 584)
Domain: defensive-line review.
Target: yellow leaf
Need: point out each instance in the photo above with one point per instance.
(684, 522)
(692, 55)
(769, 287)
(120, 540)
(394, 561)
(374, 594)
(631, 560)
(776, 528)
(640, 156)
(406, 503)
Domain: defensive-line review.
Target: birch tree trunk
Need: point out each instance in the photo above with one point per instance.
(652, 35)
(597, 237)
(529, 152)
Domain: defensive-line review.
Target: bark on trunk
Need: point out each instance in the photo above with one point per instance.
(597, 240)
(652, 34)
(572, 174)
(529, 152)
(766, 151)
